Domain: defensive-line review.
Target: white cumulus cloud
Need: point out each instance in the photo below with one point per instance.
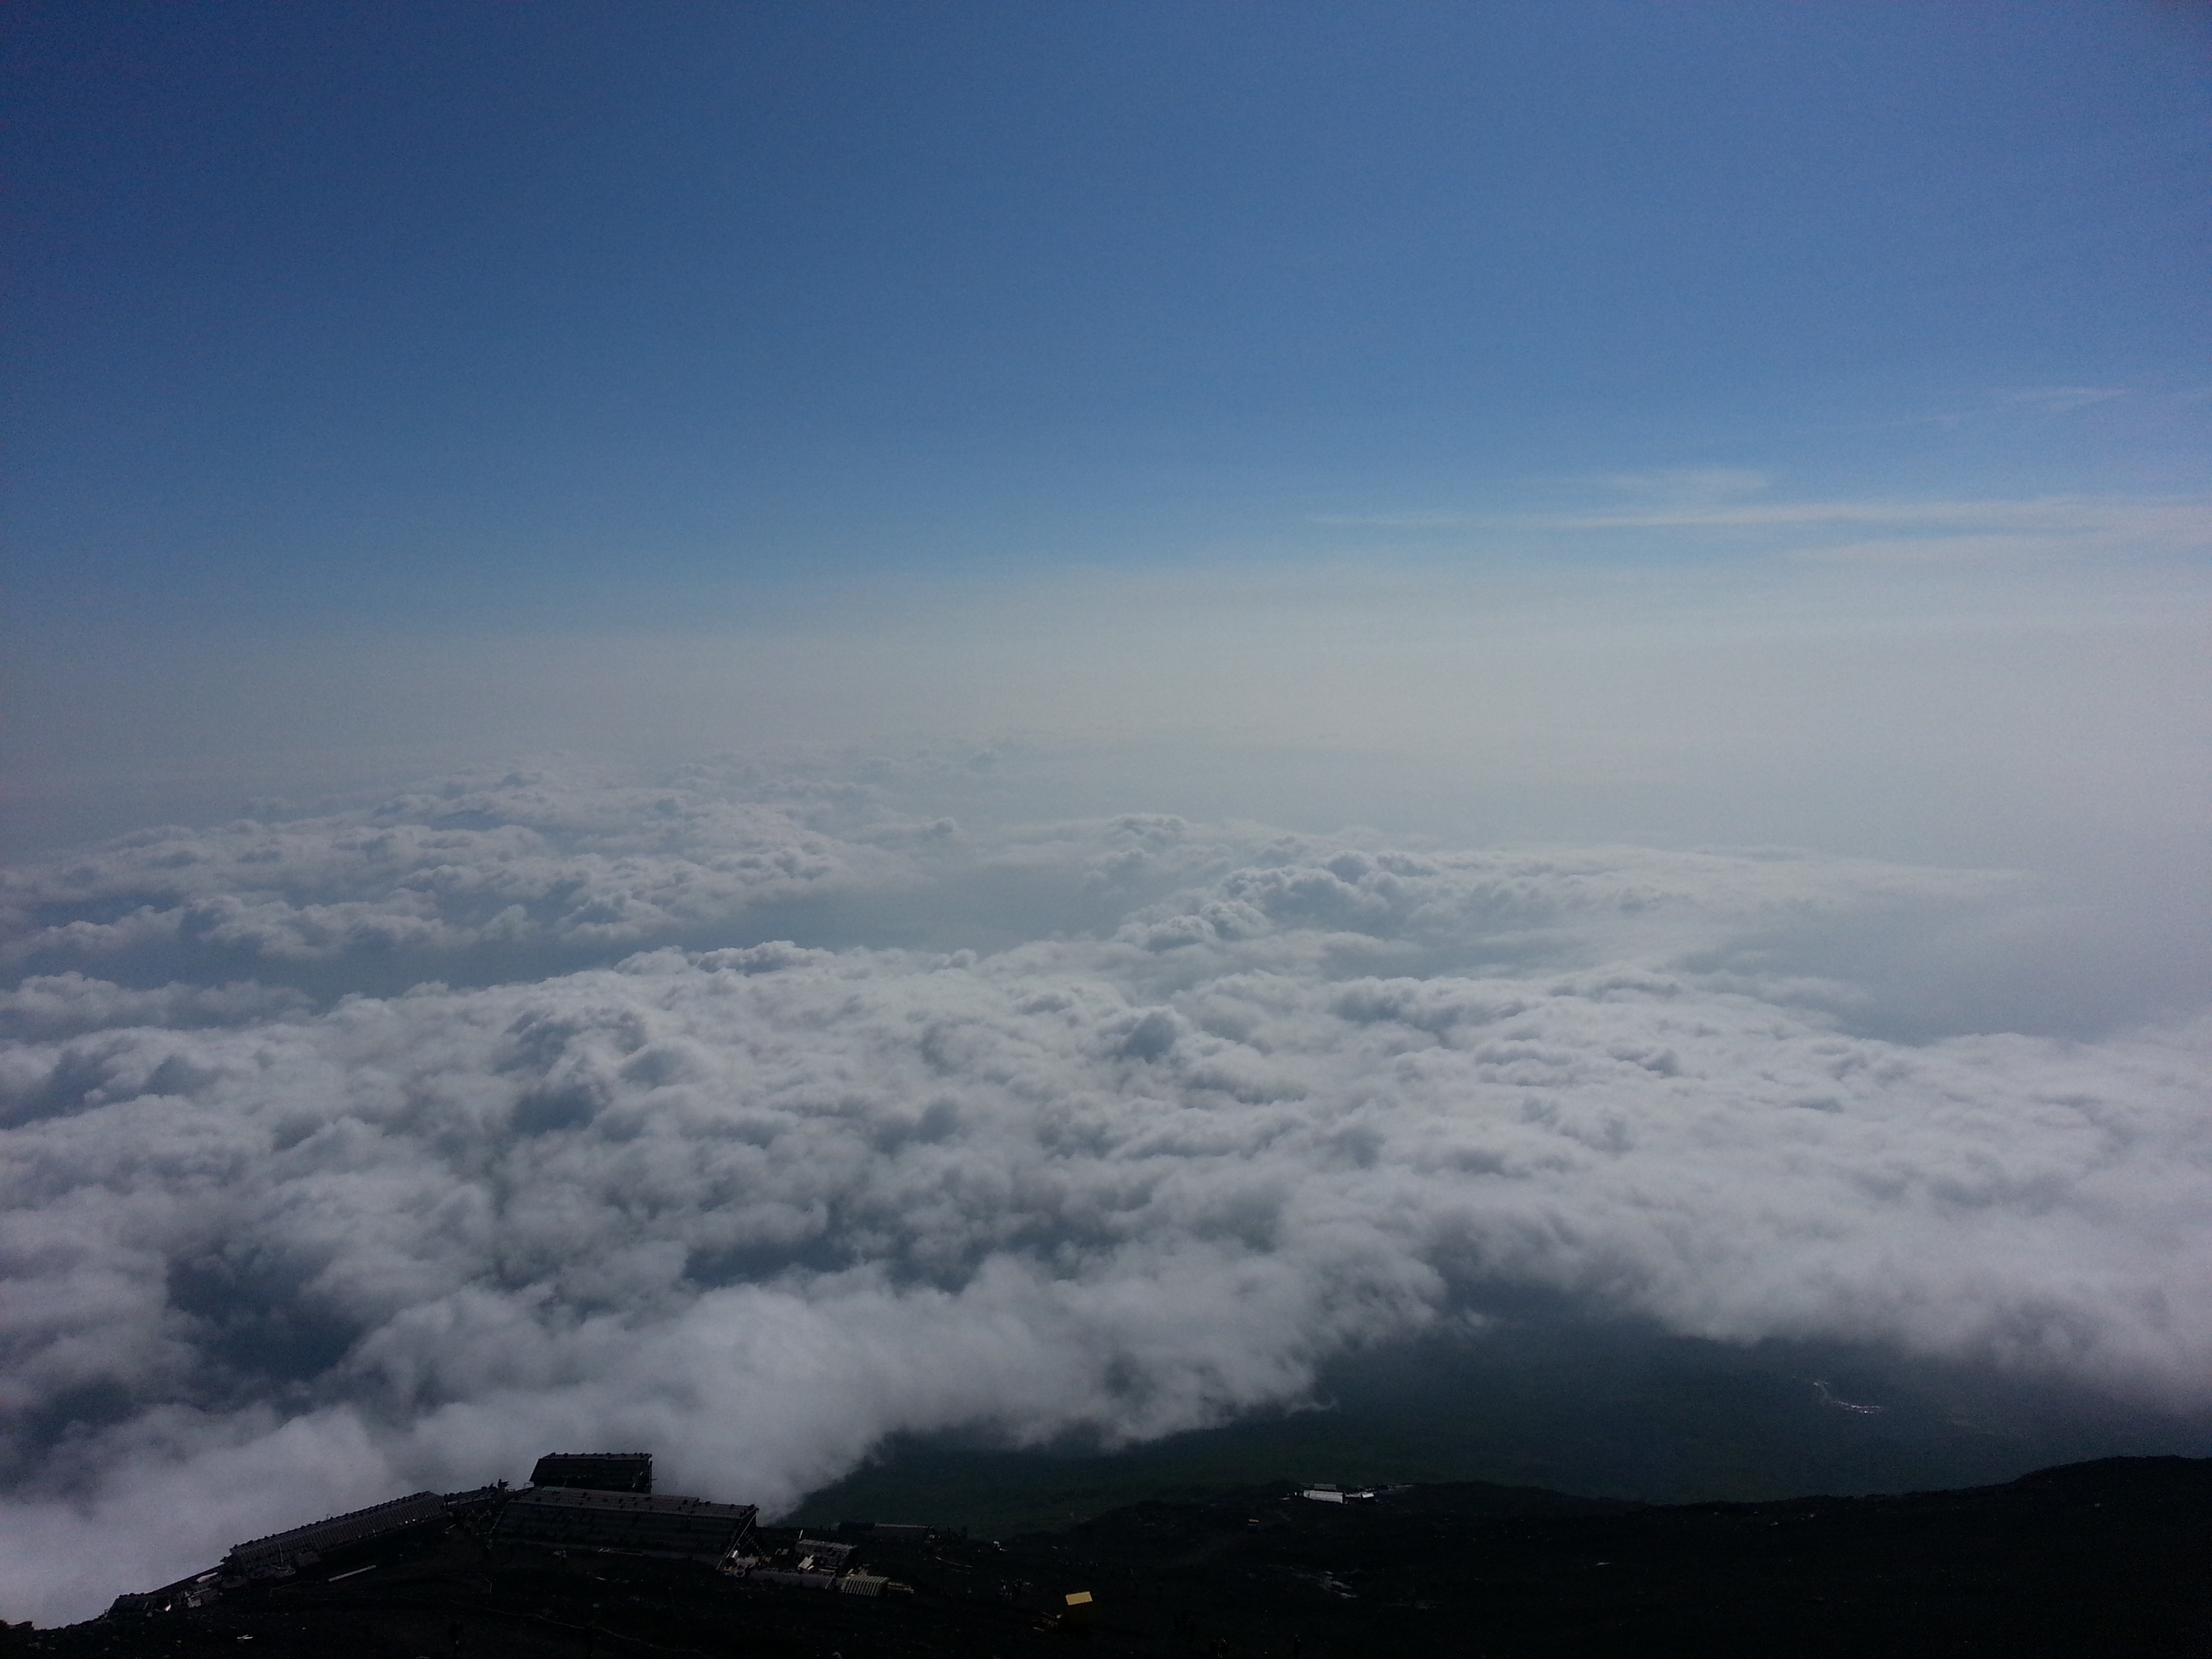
(754, 1115)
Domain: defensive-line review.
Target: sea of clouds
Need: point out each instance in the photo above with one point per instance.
(761, 1110)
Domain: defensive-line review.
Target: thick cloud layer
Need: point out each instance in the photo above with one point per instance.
(393, 1146)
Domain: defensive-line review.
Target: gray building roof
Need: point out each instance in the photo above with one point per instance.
(348, 1528)
(595, 1471)
(633, 1523)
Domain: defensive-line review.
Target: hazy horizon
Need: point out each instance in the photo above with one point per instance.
(773, 730)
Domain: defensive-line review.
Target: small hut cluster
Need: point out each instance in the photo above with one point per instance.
(586, 1503)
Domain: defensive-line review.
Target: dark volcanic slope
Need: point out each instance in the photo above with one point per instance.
(2103, 1558)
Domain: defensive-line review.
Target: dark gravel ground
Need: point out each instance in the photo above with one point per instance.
(2109, 1558)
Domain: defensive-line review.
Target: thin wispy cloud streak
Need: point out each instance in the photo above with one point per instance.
(2057, 526)
(744, 729)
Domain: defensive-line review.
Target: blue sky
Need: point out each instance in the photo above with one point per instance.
(1605, 606)
(413, 312)
(1505, 389)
